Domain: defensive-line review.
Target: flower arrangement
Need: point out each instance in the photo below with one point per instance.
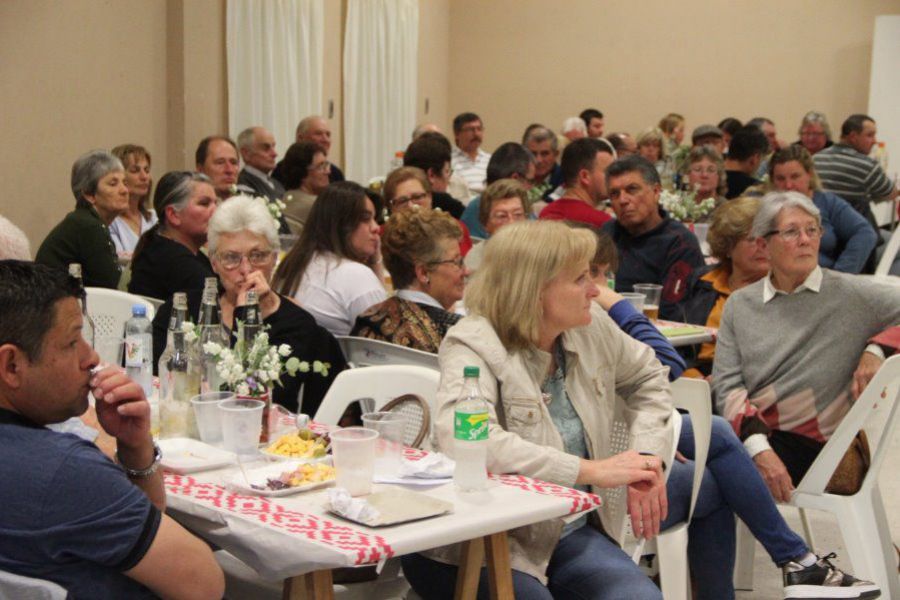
(253, 371)
(684, 207)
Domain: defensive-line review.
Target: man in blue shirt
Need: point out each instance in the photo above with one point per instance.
(70, 515)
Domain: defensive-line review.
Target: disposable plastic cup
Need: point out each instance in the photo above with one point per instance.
(209, 418)
(241, 425)
(652, 293)
(110, 349)
(636, 300)
(354, 458)
(389, 446)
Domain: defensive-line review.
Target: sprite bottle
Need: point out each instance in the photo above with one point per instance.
(470, 435)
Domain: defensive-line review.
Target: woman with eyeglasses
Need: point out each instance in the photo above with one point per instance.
(814, 132)
(243, 245)
(306, 170)
(792, 353)
(408, 187)
(421, 252)
(503, 202)
(168, 258)
(847, 238)
(704, 172)
(334, 270)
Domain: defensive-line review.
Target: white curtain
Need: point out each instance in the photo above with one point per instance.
(275, 57)
(380, 64)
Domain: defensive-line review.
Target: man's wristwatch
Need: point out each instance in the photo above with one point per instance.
(142, 473)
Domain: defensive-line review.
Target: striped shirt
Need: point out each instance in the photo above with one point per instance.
(853, 176)
(474, 172)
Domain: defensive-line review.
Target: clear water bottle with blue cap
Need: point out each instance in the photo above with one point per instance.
(139, 348)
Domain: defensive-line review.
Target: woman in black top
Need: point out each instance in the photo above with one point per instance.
(243, 244)
(98, 183)
(168, 258)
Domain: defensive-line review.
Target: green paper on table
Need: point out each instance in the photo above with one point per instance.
(682, 330)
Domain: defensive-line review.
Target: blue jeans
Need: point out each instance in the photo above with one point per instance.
(731, 485)
(585, 564)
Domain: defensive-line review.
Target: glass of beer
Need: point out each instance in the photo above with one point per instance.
(652, 293)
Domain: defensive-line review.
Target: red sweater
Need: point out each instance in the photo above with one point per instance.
(572, 209)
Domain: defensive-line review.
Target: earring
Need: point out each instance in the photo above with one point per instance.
(428, 281)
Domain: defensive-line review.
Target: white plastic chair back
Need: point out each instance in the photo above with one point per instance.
(861, 517)
(874, 399)
(380, 383)
(29, 588)
(111, 308)
(890, 252)
(363, 352)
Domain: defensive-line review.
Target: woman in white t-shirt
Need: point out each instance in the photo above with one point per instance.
(333, 271)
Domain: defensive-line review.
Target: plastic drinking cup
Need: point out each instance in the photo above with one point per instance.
(652, 293)
(241, 425)
(636, 300)
(389, 446)
(354, 458)
(209, 418)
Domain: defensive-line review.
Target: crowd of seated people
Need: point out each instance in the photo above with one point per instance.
(524, 297)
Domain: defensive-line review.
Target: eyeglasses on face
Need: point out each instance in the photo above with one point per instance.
(322, 166)
(417, 198)
(232, 260)
(700, 170)
(503, 216)
(792, 234)
(458, 262)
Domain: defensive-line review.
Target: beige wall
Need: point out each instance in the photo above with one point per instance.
(434, 59)
(82, 74)
(74, 76)
(519, 61)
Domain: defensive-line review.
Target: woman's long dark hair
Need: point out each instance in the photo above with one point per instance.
(334, 216)
(174, 189)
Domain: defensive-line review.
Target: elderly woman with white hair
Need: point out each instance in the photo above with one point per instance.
(787, 360)
(243, 245)
(98, 184)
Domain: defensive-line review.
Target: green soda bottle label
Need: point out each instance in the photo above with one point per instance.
(471, 427)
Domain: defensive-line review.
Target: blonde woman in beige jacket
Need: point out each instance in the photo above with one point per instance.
(558, 363)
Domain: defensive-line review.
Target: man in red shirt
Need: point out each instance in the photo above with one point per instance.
(583, 169)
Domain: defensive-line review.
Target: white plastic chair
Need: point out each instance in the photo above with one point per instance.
(861, 517)
(111, 308)
(363, 352)
(380, 383)
(29, 588)
(693, 396)
(890, 252)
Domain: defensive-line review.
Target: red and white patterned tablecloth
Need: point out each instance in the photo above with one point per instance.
(287, 536)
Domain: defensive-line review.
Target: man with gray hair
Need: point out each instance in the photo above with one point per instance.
(653, 247)
(315, 129)
(542, 143)
(574, 129)
(257, 148)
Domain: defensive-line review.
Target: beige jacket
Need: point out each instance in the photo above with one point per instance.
(601, 363)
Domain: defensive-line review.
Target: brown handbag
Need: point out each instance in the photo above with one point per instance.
(850, 472)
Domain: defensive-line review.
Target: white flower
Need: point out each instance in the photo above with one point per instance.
(212, 348)
(242, 389)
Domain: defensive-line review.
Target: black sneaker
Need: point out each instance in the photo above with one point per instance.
(824, 580)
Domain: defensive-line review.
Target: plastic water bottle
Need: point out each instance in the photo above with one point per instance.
(139, 348)
(470, 433)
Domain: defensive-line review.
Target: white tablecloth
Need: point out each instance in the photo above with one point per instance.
(292, 535)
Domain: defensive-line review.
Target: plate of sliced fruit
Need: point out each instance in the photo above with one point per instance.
(284, 478)
(299, 445)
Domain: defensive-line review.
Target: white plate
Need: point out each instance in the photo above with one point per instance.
(396, 505)
(185, 455)
(261, 476)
